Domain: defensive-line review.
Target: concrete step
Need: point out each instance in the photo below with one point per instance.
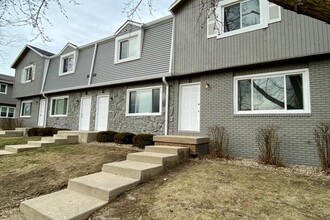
(71, 138)
(182, 152)
(133, 169)
(42, 143)
(20, 148)
(4, 152)
(57, 141)
(65, 204)
(11, 133)
(104, 186)
(181, 139)
(166, 160)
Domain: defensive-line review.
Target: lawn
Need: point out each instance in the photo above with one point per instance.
(197, 189)
(16, 140)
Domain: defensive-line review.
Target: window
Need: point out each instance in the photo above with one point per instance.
(3, 88)
(68, 63)
(128, 47)
(235, 17)
(59, 106)
(26, 108)
(7, 112)
(145, 101)
(279, 92)
(28, 74)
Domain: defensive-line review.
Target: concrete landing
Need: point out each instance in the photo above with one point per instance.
(65, 204)
(11, 133)
(4, 152)
(20, 148)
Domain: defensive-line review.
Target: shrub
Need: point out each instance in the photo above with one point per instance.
(322, 139)
(142, 140)
(44, 131)
(219, 141)
(106, 136)
(33, 132)
(124, 138)
(269, 145)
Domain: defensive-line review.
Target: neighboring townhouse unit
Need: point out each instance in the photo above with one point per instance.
(261, 65)
(30, 68)
(115, 83)
(7, 103)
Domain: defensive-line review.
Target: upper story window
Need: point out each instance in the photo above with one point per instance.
(144, 101)
(28, 74)
(7, 112)
(128, 47)
(3, 88)
(278, 92)
(68, 63)
(26, 108)
(236, 16)
(59, 106)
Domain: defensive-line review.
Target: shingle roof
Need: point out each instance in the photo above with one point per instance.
(6, 78)
(43, 52)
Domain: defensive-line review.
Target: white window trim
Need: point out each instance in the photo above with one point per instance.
(32, 66)
(6, 88)
(74, 53)
(25, 116)
(119, 39)
(51, 106)
(7, 111)
(264, 17)
(306, 92)
(144, 114)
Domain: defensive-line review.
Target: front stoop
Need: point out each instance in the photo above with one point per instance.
(88, 193)
(198, 145)
(11, 133)
(44, 142)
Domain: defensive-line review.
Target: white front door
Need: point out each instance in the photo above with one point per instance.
(189, 110)
(85, 113)
(42, 111)
(102, 106)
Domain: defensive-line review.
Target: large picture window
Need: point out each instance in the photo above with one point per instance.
(59, 106)
(145, 101)
(7, 112)
(26, 108)
(280, 92)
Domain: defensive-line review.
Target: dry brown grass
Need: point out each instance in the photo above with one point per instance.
(209, 189)
(34, 173)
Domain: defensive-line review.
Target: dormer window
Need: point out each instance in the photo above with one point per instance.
(28, 74)
(128, 47)
(3, 88)
(67, 63)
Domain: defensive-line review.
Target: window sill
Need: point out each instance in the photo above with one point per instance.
(145, 114)
(29, 116)
(64, 74)
(58, 116)
(26, 82)
(283, 114)
(127, 60)
(243, 30)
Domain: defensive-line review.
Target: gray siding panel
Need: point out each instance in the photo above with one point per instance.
(128, 28)
(294, 36)
(34, 87)
(154, 59)
(68, 50)
(79, 78)
(6, 99)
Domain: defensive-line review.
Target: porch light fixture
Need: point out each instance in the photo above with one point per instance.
(207, 86)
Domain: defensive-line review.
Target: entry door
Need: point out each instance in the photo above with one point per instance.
(102, 106)
(189, 109)
(42, 112)
(85, 113)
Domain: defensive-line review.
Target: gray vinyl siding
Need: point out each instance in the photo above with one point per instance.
(6, 99)
(154, 59)
(295, 130)
(128, 28)
(68, 49)
(294, 36)
(34, 87)
(78, 78)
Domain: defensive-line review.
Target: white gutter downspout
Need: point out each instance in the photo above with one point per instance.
(92, 65)
(46, 66)
(166, 105)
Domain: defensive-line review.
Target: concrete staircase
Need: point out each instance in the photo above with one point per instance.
(88, 193)
(11, 133)
(44, 142)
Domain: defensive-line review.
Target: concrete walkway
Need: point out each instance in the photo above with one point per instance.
(88, 193)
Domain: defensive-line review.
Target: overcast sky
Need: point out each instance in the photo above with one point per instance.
(86, 22)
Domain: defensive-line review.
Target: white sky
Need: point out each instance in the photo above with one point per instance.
(86, 22)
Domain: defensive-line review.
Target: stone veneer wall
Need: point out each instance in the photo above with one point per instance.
(117, 120)
(296, 130)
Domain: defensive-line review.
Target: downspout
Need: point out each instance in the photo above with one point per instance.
(92, 65)
(46, 66)
(172, 48)
(166, 104)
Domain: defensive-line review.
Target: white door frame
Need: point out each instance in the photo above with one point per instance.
(180, 103)
(43, 121)
(97, 108)
(81, 105)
